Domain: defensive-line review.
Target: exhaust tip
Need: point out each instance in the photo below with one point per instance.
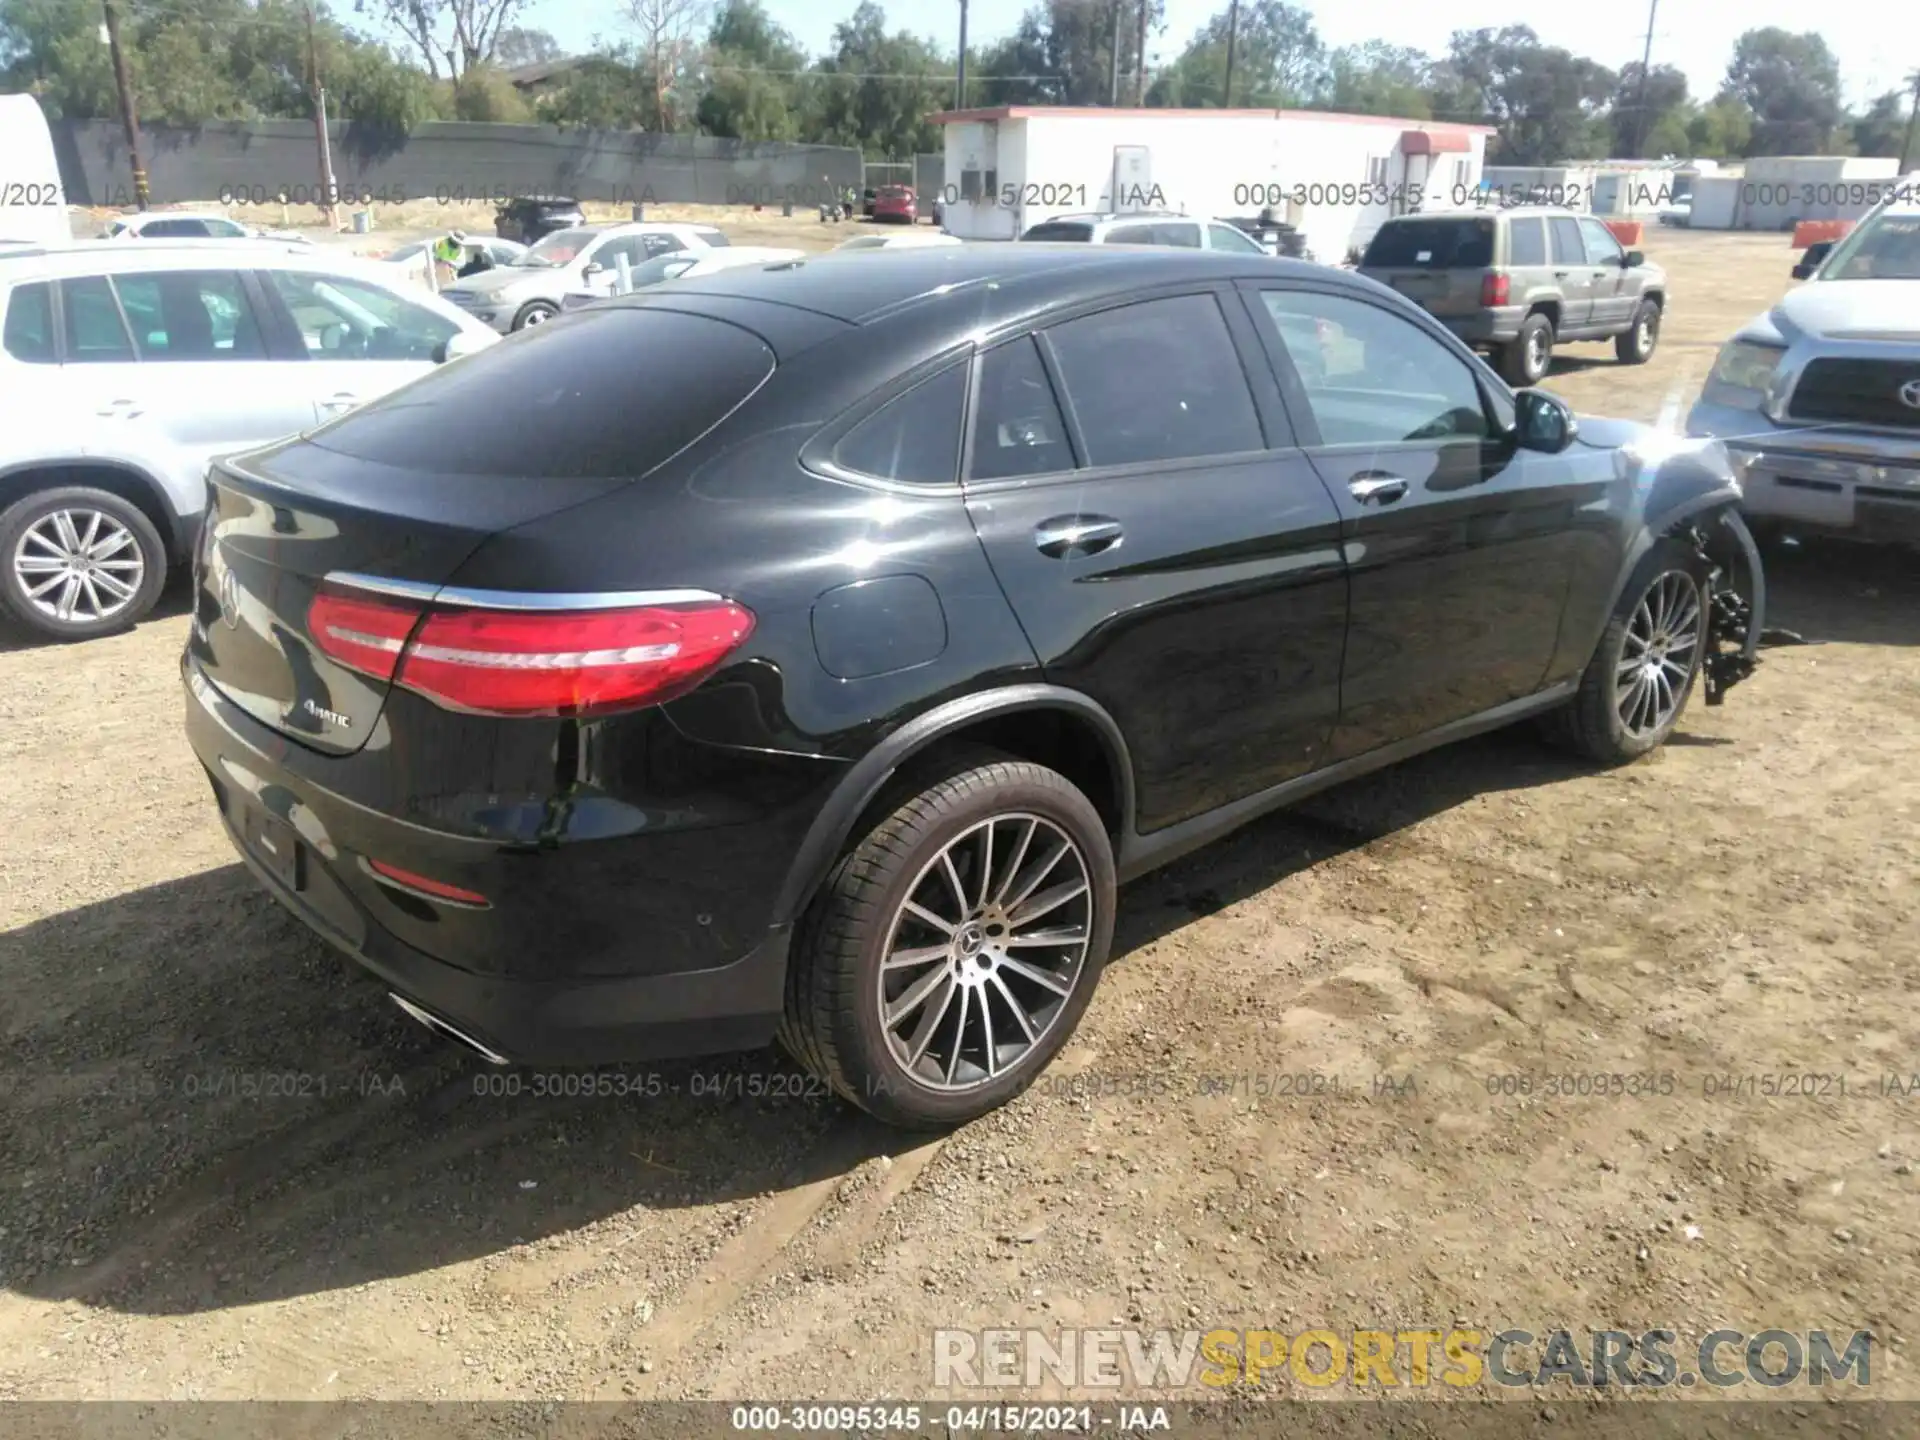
(440, 1027)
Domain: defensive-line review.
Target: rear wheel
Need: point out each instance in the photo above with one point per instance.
(1524, 359)
(79, 563)
(953, 952)
(1642, 673)
(1635, 344)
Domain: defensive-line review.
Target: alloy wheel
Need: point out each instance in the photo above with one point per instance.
(1537, 353)
(79, 566)
(985, 951)
(1643, 336)
(1658, 653)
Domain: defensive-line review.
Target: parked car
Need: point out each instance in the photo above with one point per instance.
(1517, 282)
(126, 368)
(531, 289)
(1192, 232)
(896, 203)
(420, 252)
(868, 198)
(527, 220)
(1818, 400)
(192, 225)
(719, 669)
(899, 240)
(689, 265)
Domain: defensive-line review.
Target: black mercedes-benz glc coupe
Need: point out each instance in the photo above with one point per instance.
(811, 650)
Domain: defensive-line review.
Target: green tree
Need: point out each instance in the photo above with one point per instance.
(1547, 104)
(519, 46)
(606, 91)
(876, 89)
(752, 67)
(1882, 127)
(1376, 78)
(1019, 68)
(1721, 129)
(1278, 60)
(1648, 120)
(1791, 84)
(483, 93)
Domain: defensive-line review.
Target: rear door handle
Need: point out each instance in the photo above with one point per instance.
(343, 400)
(1068, 536)
(121, 409)
(1561, 274)
(1385, 489)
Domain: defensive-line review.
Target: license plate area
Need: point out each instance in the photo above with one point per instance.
(274, 844)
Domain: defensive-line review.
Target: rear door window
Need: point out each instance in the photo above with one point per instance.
(1017, 428)
(1060, 230)
(194, 315)
(1465, 244)
(1158, 380)
(1132, 235)
(1526, 242)
(95, 332)
(29, 330)
(608, 391)
(1226, 237)
(915, 437)
(1180, 233)
(1563, 233)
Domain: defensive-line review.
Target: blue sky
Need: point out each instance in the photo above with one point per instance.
(1876, 40)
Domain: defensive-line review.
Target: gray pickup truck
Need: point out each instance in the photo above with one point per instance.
(1818, 400)
(1517, 282)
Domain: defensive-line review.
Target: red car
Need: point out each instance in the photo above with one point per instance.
(896, 202)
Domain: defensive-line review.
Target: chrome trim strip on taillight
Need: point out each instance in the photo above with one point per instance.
(519, 599)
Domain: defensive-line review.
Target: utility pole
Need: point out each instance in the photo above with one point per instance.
(1233, 33)
(319, 96)
(960, 80)
(1646, 58)
(1913, 116)
(1113, 80)
(128, 117)
(1140, 57)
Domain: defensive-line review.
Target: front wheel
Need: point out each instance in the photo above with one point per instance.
(1634, 345)
(953, 952)
(1642, 672)
(79, 563)
(535, 312)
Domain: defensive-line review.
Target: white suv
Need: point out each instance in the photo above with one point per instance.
(1191, 232)
(125, 369)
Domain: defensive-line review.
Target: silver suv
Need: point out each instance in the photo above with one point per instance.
(1517, 282)
(1818, 400)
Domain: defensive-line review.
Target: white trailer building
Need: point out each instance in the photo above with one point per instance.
(1334, 177)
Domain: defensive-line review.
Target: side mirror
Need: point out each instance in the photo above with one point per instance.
(455, 345)
(594, 267)
(1632, 260)
(1811, 259)
(1543, 422)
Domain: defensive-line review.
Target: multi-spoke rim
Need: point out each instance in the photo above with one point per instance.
(985, 951)
(1643, 334)
(1662, 644)
(79, 566)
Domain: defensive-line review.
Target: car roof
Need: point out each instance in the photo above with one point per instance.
(93, 257)
(861, 286)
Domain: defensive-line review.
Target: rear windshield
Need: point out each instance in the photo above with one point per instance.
(1059, 230)
(1432, 245)
(600, 392)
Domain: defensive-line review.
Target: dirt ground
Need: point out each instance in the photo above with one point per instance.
(1741, 904)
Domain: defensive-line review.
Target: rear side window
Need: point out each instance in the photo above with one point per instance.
(914, 438)
(1564, 234)
(1159, 380)
(1432, 245)
(715, 240)
(604, 392)
(95, 334)
(1134, 235)
(191, 315)
(1017, 429)
(1185, 236)
(29, 331)
(1059, 230)
(1526, 242)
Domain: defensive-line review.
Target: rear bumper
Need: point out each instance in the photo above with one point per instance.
(1485, 327)
(1829, 480)
(524, 1018)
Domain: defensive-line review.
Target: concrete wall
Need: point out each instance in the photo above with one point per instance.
(1335, 177)
(445, 161)
(1716, 198)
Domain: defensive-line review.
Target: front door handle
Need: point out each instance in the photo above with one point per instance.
(1385, 489)
(120, 410)
(1070, 536)
(1561, 274)
(343, 400)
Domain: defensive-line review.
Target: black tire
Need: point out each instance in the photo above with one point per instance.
(26, 515)
(834, 1025)
(1591, 724)
(1524, 360)
(1635, 344)
(535, 312)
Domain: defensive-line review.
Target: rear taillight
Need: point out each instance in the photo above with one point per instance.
(513, 662)
(1494, 289)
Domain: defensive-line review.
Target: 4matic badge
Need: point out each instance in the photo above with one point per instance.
(320, 712)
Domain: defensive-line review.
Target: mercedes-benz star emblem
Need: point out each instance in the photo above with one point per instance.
(229, 592)
(1910, 394)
